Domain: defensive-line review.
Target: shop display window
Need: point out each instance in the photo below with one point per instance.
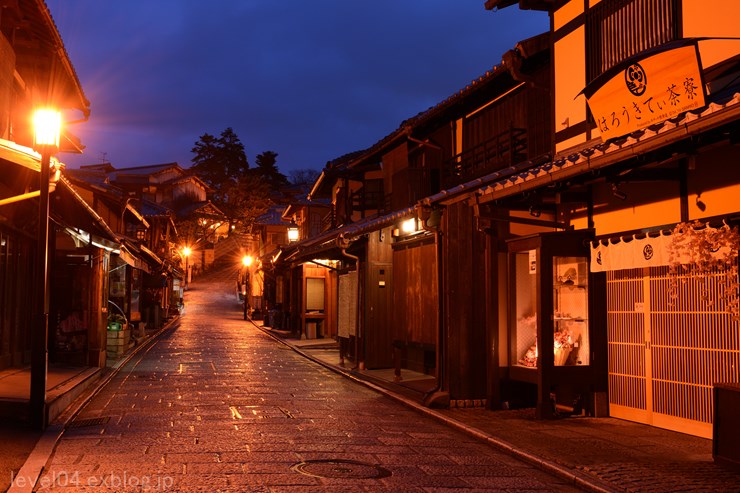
(570, 311)
(525, 294)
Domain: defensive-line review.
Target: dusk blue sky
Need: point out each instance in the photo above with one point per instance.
(310, 81)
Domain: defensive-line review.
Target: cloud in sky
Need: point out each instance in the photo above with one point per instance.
(310, 81)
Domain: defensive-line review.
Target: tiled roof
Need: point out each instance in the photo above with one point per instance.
(333, 239)
(273, 217)
(148, 169)
(152, 209)
(60, 49)
(93, 177)
(300, 202)
(596, 154)
(203, 209)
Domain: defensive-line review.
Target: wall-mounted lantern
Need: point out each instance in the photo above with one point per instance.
(407, 228)
(410, 226)
(293, 234)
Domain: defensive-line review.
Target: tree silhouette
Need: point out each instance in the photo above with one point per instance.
(248, 199)
(306, 176)
(267, 170)
(219, 162)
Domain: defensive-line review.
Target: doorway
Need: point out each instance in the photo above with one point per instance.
(668, 344)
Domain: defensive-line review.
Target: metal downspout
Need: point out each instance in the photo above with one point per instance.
(343, 244)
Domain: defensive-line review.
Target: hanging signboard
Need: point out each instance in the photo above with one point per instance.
(660, 250)
(646, 89)
(651, 251)
(347, 313)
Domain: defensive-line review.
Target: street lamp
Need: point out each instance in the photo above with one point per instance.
(246, 262)
(186, 251)
(293, 235)
(47, 123)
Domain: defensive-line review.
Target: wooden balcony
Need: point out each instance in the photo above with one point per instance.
(500, 151)
(365, 201)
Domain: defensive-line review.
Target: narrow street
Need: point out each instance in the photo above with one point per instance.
(215, 404)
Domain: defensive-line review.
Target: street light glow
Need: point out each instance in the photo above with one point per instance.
(186, 251)
(409, 226)
(47, 124)
(247, 260)
(293, 232)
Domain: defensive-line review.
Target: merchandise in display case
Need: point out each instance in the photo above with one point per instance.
(570, 311)
(525, 296)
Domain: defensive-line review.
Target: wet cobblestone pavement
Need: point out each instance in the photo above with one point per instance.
(216, 405)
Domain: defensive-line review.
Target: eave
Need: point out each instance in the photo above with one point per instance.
(40, 50)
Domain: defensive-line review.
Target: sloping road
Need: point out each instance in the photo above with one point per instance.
(217, 405)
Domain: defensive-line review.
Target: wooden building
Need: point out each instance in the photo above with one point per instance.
(645, 123)
(436, 250)
(418, 282)
(34, 71)
(532, 242)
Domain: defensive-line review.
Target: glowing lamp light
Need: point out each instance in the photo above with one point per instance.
(293, 232)
(47, 124)
(247, 260)
(186, 251)
(409, 226)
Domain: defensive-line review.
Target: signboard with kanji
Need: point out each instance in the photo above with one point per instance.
(646, 91)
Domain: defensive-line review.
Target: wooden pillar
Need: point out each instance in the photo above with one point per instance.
(97, 319)
(493, 378)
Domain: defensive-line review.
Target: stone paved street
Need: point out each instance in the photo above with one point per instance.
(215, 404)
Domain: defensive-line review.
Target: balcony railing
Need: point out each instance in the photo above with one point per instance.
(500, 151)
(329, 221)
(363, 200)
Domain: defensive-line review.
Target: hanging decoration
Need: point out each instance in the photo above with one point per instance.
(700, 251)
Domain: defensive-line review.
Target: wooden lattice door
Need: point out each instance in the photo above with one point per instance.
(668, 344)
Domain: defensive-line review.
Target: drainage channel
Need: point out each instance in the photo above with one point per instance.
(82, 423)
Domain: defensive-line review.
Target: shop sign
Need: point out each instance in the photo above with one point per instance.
(661, 250)
(645, 90)
(630, 253)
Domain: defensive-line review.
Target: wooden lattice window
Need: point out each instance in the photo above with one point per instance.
(618, 29)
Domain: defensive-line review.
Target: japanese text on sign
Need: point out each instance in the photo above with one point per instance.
(650, 91)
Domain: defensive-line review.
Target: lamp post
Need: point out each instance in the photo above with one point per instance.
(246, 262)
(47, 127)
(186, 251)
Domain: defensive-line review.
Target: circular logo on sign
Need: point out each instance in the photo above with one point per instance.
(647, 252)
(636, 79)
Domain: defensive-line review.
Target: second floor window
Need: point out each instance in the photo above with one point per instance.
(278, 238)
(618, 29)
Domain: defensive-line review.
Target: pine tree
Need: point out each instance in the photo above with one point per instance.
(267, 170)
(219, 161)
